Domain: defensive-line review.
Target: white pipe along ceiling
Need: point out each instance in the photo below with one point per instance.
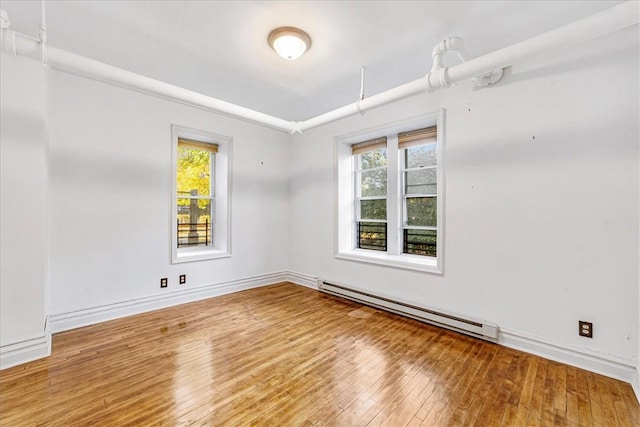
(483, 70)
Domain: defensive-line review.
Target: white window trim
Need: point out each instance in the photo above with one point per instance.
(344, 208)
(221, 247)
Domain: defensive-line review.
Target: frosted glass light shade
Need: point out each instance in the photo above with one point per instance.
(289, 42)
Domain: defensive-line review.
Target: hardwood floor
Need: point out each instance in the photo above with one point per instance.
(286, 355)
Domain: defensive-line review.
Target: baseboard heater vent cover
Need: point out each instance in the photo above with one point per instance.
(477, 328)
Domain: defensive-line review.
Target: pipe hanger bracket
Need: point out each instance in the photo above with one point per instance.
(488, 79)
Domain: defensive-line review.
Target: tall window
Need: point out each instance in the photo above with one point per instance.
(201, 202)
(419, 156)
(392, 178)
(370, 165)
(195, 177)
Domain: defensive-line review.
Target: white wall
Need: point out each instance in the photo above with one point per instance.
(540, 233)
(110, 184)
(23, 186)
(635, 383)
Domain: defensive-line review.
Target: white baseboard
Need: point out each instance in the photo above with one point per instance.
(15, 354)
(635, 383)
(302, 279)
(608, 365)
(25, 351)
(66, 321)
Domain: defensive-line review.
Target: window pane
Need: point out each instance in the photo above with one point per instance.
(194, 172)
(373, 209)
(419, 242)
(421, 181)
(373, 183)
(422, 155)
(194, 222)
(372, 235)
(422, 211)
(373, 159)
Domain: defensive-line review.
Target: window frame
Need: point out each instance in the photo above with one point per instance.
(212, 190)
(220, 197)
(403, 159)
(358, 197)
(345, 244)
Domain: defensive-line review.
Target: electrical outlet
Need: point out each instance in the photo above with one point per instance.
(164, 282)
(585, 329)
(183, 279)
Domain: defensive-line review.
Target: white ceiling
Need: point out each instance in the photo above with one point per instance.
(220, 48)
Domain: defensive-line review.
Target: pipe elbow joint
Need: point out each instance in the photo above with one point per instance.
(296, 128)
(4, 19)
(8, 41)
(454, 43)
(439, 49)
(450, 43)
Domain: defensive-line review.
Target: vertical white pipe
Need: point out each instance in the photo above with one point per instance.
(43, 16)
(43, 33)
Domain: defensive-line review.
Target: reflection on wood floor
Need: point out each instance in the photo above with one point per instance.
(287, 355)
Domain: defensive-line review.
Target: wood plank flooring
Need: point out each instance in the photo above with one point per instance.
(285, 355)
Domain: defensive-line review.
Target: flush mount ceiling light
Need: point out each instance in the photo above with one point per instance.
(289, 42)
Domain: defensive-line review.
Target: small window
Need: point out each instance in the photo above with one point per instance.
(201, 220)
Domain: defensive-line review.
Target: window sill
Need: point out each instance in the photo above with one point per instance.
(198, 254)
(406, 262)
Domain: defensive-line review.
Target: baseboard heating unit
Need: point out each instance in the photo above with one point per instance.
(477, 328)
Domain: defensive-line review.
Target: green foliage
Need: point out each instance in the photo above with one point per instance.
(193, 179)
(373, 159)
(422, 211)
(373, 183)
(373, 209)
(194, 172)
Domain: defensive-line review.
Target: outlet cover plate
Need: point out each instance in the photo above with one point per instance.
(164, 282)
(585, 329)
(183, 279)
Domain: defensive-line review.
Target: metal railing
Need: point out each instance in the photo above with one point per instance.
(372, 235)
(418, 243)
(194, 233)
